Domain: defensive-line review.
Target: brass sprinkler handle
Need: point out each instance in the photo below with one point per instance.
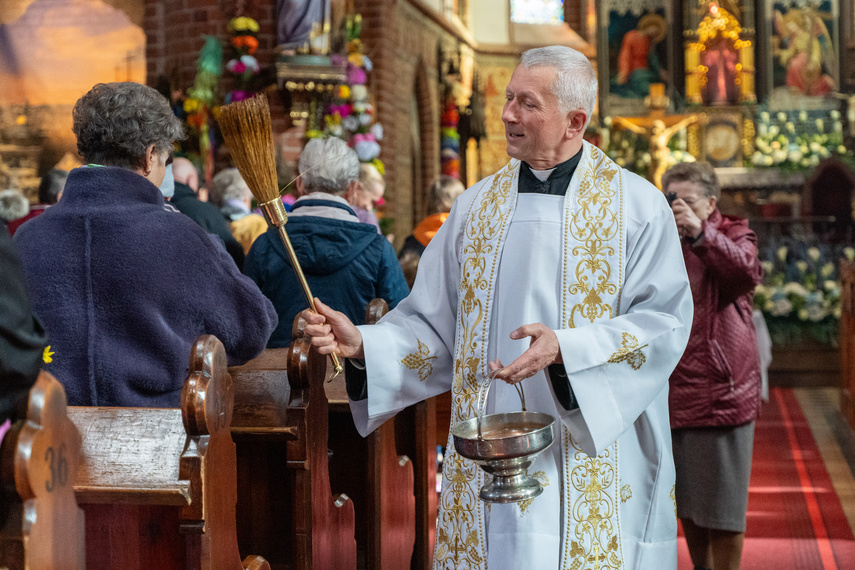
(275, 214)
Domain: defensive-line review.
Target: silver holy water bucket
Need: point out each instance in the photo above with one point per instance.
(504, 445)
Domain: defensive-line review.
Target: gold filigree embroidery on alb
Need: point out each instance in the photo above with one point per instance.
(461, 510)
(450, 547)
(625, 493)
(594, 225)
(594, 511)
(526, 503)
(420, 361)
(629, 352)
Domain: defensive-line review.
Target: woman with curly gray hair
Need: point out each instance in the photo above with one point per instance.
(126, 125)
(124, 286)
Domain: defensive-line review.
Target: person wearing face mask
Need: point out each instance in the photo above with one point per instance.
(714, 394)
(123, 287)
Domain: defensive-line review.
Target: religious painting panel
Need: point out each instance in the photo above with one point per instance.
(496, 76)
(803, 54)
(633, 53)
(52, 52)
(719, 44)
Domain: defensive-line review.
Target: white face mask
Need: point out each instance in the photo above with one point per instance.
(167, 187)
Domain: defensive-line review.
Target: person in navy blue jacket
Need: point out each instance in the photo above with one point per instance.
(123, 285)
(347, 263)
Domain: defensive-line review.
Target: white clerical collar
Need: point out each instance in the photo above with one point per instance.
(542, 175)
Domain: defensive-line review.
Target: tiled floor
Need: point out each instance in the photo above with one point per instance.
(835, 439)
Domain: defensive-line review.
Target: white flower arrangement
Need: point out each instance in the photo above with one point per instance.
(800, 294)
(796, 145)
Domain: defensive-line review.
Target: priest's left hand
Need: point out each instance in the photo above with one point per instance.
(543, 351)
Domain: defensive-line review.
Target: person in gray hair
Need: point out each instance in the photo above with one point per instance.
(566, 267)
(124, 287)
(13, 205)
(441, 196)
(231, 194)
(50, 191)
(346, 262)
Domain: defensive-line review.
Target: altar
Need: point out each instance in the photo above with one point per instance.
(751, 88)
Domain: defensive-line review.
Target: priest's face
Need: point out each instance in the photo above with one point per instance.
(535, 129)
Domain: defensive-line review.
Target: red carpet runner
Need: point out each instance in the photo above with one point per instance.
(795, 521)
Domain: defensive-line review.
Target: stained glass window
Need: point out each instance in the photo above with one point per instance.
(537, 11)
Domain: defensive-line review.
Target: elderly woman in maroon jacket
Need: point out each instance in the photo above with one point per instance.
(715, 389)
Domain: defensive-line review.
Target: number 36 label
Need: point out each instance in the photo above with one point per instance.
(58, 466)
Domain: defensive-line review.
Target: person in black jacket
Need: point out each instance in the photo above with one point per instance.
(203, 213)
(22, 338)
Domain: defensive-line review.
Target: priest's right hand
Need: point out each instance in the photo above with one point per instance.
(331, 331)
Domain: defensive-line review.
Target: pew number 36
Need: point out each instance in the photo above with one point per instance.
(58, 466)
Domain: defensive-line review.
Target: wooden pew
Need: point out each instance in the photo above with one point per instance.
(42, 527)
(285, 507)
(158, 486)
(382, 491)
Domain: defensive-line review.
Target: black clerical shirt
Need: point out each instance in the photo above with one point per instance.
(556, 184)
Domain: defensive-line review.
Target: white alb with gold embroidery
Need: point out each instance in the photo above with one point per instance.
(602, 267)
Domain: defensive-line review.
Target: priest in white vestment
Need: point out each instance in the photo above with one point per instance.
(569, 269)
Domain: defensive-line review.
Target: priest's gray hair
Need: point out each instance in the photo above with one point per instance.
(328, 165)
(576, 83)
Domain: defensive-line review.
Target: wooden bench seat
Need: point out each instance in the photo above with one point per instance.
(384, 491)
(42, 527)
(392, 497)
(158, 486)
(285, 507)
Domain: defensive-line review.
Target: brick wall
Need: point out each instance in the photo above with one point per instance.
(574, 15)
(174, 35)
(402, 43)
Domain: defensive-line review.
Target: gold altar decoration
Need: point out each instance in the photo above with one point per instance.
(719, 24)
(309, 80)
(658, 132)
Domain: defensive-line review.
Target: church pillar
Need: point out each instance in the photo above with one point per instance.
(379, 34)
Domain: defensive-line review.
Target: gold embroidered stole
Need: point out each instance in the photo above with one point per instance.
(593, 246)
(594, 257)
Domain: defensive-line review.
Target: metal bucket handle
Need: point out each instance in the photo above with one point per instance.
(484, 391)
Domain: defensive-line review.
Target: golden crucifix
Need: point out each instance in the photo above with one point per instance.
(658, 132)
(657, 128)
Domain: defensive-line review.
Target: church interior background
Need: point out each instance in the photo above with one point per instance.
(759, 89)
(762, 89)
